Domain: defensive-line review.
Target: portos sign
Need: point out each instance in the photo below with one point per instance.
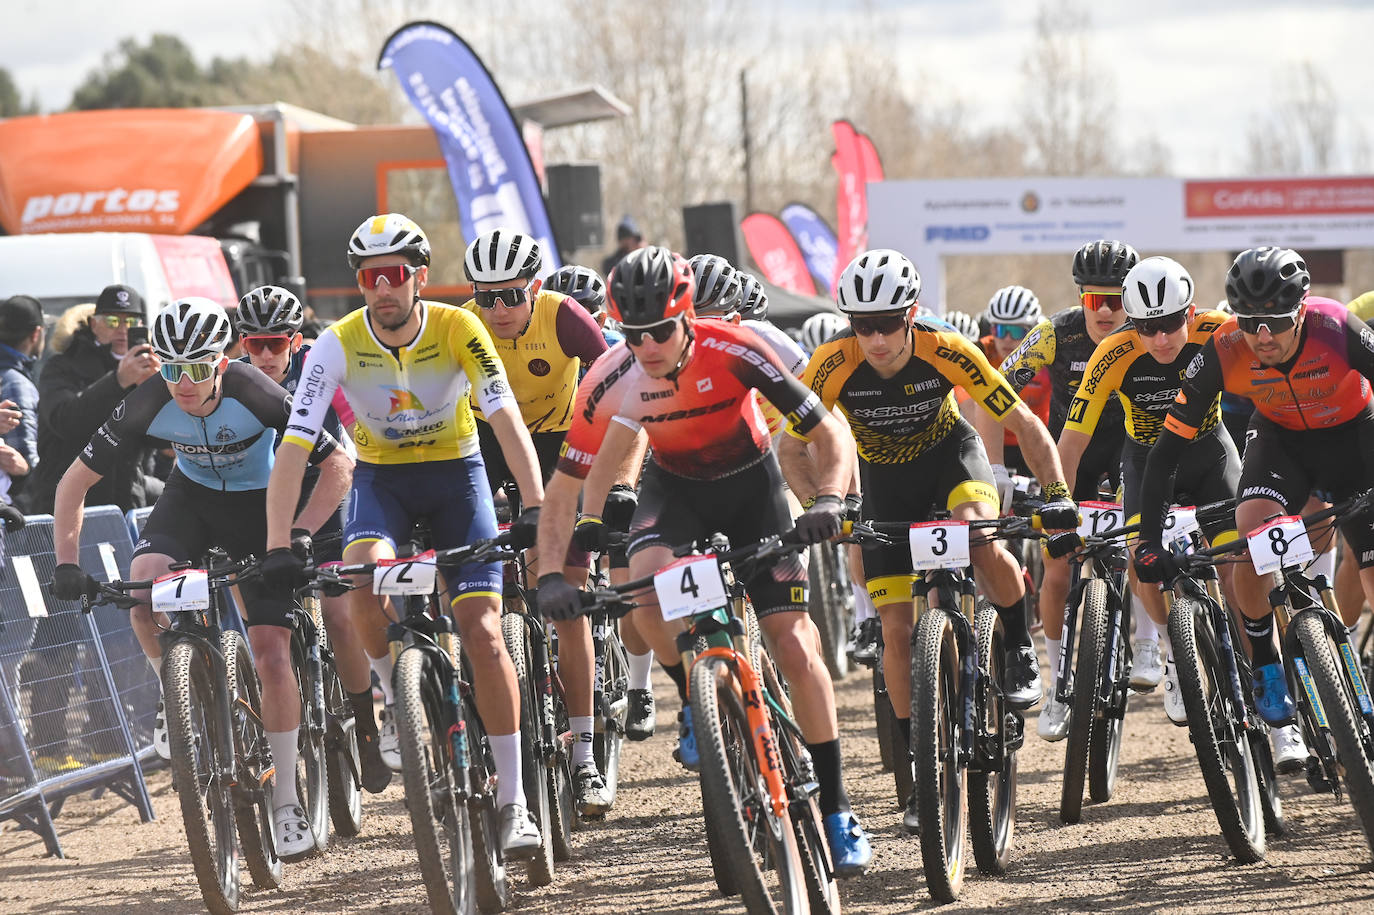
(929, 219)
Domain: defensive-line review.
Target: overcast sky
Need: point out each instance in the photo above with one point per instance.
(1191, 72)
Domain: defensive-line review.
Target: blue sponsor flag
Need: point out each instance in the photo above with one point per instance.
(488, 163)
(816, 240)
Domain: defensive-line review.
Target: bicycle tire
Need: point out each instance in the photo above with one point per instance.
(206, 805)
(254, 818)
(992, 796)
(1223, 749)
(1270, 800)
(884, 718)
(312, 775)
(831, 613)
(936, 716)
(609, 740)
(1092, 648)
(562, 802)
(343, 764)
(731, 785)
(539, 870)
(1104, 750)
(1334, 690)
(818, 872)
(441, 825)
(493, 886)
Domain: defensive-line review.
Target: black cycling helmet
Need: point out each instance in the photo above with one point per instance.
(581, 284)
(1103, 263)
(1267, 280)
(649, 285)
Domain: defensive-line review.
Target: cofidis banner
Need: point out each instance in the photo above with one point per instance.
(776, 253)
(816, 240)
(493, 178)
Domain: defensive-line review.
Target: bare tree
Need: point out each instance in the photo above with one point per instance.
(1305, 132)
(1066, 97)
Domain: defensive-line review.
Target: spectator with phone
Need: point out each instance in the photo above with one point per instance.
(100, 352)
(21, 341)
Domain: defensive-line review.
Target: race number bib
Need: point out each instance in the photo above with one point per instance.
(939, 545)
(1099, 518)
(1281, 542)
(1179, 525)
(690, 586)
(400, 577)
(187, 591)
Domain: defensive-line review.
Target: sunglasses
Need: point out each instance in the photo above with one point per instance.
(1149, 327)
(1096, 301)
(1010, 331)
(196, 371)
(661, 332)
(394, 274)
(274, 344)
(114, 321)
(1275, 324)
(882, 324)
(508, 298)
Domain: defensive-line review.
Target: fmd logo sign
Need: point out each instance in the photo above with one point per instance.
(957, 233)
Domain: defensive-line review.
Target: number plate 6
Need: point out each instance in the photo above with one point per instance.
(690, 586)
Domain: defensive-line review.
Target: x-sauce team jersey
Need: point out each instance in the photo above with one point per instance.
(1323, 385)
(410, 403)
(895, 419)
(703, 424)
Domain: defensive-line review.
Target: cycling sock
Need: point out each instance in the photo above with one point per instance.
(863, 603)
(679, 677)
(382, 667)
(283, 744)
(1261, 635)
(641, 669)
(505, 751)
(582, 739)
(1145, 626)
(904, 725)
(364, 717)
(1013, 619)
(1324, 564)
(826, 757)
(156, 665)
(1053, 650)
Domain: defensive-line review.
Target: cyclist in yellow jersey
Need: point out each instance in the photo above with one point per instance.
(406, 366)
(544, 339)
(1362, 307)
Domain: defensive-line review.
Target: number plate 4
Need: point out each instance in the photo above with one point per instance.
(690, 586)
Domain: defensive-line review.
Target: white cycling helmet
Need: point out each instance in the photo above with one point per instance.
(964, 323)
(1013, 305)
(269, 310)
(1155, 287)
(819, 328)
(190, 330)
(502, 255)
(717, 284)
(878, 280)
(388, 233)
(753, 298)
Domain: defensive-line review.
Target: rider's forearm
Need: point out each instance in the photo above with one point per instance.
(518, 450)
(798, 467)
(1037, 447)
(1072, 444)
(835, 456)
(71, 495)
(556, 519)
(630, 468)
(283, 492)
(990, 431)
(336, 473)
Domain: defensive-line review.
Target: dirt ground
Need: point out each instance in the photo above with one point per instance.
(1154, 847)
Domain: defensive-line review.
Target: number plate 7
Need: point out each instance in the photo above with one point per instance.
(187, 591)
(690, 586)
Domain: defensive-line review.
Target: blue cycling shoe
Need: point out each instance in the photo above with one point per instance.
(686, 752)
(848, 844)
(1271, 695)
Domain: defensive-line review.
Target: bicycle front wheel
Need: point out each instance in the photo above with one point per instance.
(344, 768)
(312, 779)
(936, 731)
(1087, 672)
(831, 607)
(206, 802)
(253, 800)
(443, 831)
(1346, 726)
(613, 711)
(532, 769)
(1223, 750)
(992, 795)
(761, 847)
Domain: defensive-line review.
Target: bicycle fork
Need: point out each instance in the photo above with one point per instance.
(761, 730)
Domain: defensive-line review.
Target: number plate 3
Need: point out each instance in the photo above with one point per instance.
(939, 545)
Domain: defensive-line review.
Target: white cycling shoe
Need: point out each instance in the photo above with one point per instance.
(1173, 697)
(1147, 668)
(162, 743)
(1054, 719)
(388, 744)
(292, 829)
(1290, 752)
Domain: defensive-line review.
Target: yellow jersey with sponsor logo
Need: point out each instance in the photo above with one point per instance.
(410, 403)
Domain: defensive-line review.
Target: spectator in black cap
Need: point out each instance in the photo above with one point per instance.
(21, 341)
(627, 238)
(90, 370)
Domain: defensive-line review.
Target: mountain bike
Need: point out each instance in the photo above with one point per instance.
(964, 736)
(758, 785)
(830, 604)
(221, 763)
(448, 771)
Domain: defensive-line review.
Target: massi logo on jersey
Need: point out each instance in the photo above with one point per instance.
(704, 385)
(748, 354)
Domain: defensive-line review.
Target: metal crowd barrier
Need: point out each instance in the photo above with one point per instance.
(77, 694)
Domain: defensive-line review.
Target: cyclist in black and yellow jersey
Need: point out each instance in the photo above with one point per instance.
(1063, 344)
(893, 379)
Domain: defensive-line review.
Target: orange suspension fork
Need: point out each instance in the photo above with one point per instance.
(765, 744)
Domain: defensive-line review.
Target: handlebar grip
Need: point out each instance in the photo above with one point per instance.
(1061, 545)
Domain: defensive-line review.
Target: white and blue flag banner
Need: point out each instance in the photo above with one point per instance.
(817, 243)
